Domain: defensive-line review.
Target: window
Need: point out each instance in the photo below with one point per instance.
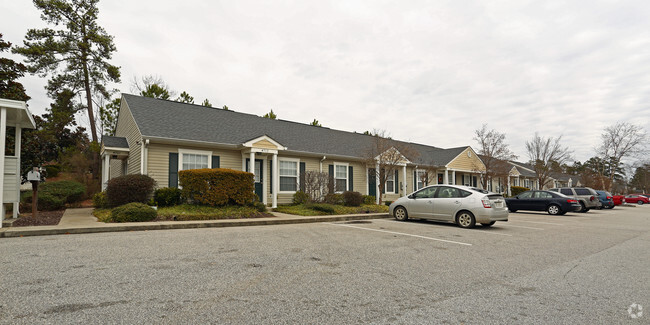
(525, 195)
(192, 159)
(422, 177)
(447, 192)
(340, 178)
(566, 191)
(582, 191)
(426, 193)
(288, 175)
(527, 182)
(390, 183)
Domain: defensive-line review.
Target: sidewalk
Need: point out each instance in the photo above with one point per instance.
(81, 221)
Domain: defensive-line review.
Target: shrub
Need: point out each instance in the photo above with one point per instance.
(301, 197)
(68, 191)
(516, 190)
(167, 196)
(334, 199)
(217, 187)
(259, 206)
(129, 188)
(352, 199)
(133, 212)
(52, 170)
(369, 199)
(388, 203)
(99, 200)
(49, 202)
(321, 207)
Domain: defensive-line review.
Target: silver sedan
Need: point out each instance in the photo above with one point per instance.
(463, 205)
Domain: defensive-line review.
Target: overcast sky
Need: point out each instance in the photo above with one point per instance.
(429, 72)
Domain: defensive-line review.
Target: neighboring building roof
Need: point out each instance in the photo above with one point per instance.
(526, 170)
(175, 120)
(114, 142)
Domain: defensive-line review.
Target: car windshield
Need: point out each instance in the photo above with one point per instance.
(557, 194)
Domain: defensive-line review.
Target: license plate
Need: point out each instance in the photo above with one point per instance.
(498, 204)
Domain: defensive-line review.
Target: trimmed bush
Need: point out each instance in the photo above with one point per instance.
(100, 200)
(301, 197)
(167, 196)
(352, 199)
(217, 187)
(49, 202)
(68, 191)
(516, 190)
(321, 207)
(129, 188)
(133, 212)
(334, 199)
(369, 199)
(259, 206)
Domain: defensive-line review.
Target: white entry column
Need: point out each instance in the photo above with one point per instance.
(453, 177)
(18, 140)
(377, 183)
(445, 177)
(276, 178)
(3, 139)
(106, 162)
(404, 181)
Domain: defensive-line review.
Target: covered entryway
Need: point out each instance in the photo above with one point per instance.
(259, 177)
(263, 151)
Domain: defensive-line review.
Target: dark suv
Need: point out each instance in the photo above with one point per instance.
(587, 197)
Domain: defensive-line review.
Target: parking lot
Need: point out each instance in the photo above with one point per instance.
(536, 268)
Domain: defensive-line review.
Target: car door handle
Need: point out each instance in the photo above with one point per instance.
(457, 202)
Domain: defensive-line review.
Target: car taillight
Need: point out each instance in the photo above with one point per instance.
(609, 197)
(486, 202)
(572, 201)
(591, 198)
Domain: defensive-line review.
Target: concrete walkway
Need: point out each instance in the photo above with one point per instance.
(81, 221)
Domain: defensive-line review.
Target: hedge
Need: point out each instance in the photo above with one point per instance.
(167, 196)
(352, 199)
(516, 190)
(218, 186)
(129, 188)
(54, 195)
(133, 212)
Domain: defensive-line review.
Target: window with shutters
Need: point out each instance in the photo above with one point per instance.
(422, 176)
(288, 175)
(193, 159)
(390, 183)
(340, 177)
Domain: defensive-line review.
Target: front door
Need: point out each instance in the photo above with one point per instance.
(372, 182)
(259, 177)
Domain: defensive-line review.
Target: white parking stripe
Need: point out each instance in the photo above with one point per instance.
(401, 233)
(509, 225)
(543, 223)
(491, 232)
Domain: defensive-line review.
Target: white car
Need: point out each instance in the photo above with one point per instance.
(463, 205)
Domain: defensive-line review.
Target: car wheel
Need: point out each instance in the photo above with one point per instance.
(584, 208)
(553, 209)
(610, 207)
(489, 224)
(639, 202)
(465, 219)
(400, 214)
(561, 213)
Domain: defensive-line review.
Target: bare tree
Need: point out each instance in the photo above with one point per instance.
(493, 150)
(315, 184)
(621, 140)
(387, 156)
(543, 153)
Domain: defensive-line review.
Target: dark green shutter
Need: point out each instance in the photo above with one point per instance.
(271, 174)
(248, 162)
(331, 187)
(415, 180)
(173, 169)
(215, 162)
(396, 183)
(303, 169)
(350, 179)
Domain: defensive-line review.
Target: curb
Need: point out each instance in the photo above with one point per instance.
(17, 232)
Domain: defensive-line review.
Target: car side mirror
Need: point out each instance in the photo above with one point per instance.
(411, 196)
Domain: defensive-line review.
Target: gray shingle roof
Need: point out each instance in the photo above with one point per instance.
(169, 119)
(114, 142)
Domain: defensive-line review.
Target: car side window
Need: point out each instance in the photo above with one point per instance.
(566, 191)
(464, 193)
(525, 195)
(542, 195)
(447, 192)
(582, 191)
(426, 193)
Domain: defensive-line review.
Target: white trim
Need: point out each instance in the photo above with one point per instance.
(181, 152)
(386, 183)
(297, 161)
(347, 176)
(250, 143)
(276, 180)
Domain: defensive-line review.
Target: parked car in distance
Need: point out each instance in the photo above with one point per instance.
(606, 199)
(552, 202)
(618, 199)
(586, 196)
(638, 199)
(463, 205)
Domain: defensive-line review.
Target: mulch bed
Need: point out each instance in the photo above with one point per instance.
(45, 218)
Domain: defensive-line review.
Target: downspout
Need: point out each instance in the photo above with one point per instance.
(321, 171)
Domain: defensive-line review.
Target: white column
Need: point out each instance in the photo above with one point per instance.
(243, 162)
(265, 173)
(508, 189)
(18, 141)
(445, 177)
(251, 163)
(276, 178)
(377, 193)
(537, 182)
(142, 157)
(453, 177)
(3, 139)
(404, 182)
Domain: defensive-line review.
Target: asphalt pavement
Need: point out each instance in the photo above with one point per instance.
(535, 269)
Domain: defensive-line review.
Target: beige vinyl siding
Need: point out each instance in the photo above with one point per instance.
(158, 162)
(127, 128)
(463, 162)
(264, 144)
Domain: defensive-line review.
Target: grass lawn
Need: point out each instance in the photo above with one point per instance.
(186, 212)
(321, 209)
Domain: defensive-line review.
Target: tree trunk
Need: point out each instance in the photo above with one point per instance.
(89, 100)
